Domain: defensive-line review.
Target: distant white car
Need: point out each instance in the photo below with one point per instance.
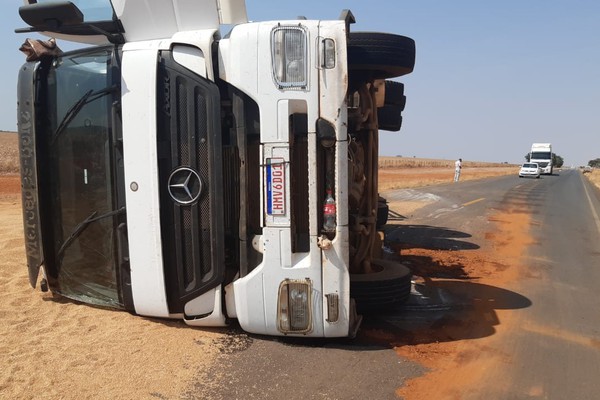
(530, 169)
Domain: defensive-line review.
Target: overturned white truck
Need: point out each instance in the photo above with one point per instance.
(174, 171)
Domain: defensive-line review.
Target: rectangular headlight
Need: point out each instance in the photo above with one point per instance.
(294, 307)
(289, 57)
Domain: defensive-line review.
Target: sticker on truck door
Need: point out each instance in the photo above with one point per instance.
(276, 186)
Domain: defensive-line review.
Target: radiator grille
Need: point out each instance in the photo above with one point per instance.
(188, 132)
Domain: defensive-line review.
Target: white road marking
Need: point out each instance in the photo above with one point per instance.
(594, 213)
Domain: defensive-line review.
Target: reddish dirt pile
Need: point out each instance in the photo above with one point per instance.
(456, 362)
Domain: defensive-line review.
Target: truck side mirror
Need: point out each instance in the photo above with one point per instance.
(50, 16)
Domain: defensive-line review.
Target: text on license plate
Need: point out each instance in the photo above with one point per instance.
(276, 186)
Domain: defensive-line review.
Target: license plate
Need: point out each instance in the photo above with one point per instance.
(276, 186)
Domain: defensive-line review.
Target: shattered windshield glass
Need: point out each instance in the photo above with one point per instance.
(81, 180)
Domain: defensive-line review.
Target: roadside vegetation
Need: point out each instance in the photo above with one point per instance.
(407, 162)
(595, 163)
(592, 171)
(594, 177)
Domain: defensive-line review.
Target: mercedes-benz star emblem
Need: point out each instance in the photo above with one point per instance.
(185, 185)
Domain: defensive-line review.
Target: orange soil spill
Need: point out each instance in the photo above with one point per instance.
(459, 354)
(561, 334)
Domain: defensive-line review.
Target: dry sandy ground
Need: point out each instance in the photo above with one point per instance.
(52, 348)
(390, 178)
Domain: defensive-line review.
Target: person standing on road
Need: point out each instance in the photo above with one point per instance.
(457, 168)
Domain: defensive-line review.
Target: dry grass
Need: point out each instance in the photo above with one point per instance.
(401, 172)
(406, 162)
(9, 153)
(594, 177)
(402, 178)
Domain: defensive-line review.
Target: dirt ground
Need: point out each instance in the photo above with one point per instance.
(395, 178)
(53, 348)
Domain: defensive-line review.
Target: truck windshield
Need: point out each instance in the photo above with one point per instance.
(541, 155)
(80, 178)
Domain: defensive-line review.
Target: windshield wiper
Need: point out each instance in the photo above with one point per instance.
(72, 112)
(82, 226)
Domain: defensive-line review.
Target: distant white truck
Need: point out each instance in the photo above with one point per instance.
(541, 154)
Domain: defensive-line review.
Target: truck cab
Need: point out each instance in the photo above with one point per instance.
(175, 172)
(541, 154)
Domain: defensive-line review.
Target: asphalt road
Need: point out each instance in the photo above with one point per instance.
(553, 348)
(557, 344)
(551, 351)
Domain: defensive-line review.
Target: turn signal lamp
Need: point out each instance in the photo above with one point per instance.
(327, 53)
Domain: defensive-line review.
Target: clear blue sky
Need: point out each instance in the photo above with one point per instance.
(490, 77)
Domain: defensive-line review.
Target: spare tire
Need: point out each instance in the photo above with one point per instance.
(389, 118)
(380, 291)
(394, 94)
(378, 55)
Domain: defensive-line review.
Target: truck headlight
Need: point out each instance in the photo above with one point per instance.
(290, 57)
(294, 307)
